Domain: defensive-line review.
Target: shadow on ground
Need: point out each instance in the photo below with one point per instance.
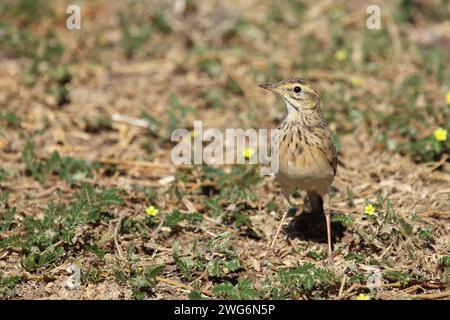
(310, 226)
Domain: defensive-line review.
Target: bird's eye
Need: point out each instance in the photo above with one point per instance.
(297, 89)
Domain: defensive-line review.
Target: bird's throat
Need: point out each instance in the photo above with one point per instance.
(290, 107)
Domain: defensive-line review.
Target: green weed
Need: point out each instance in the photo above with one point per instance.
(11, 119)
(43, 239)
(67, 168)
(241, 291)
(175, 217)
(306, 278)
(7, 286)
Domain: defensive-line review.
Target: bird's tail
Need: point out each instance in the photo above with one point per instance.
(316, 202)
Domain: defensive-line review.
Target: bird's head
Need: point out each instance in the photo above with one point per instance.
(298, 94)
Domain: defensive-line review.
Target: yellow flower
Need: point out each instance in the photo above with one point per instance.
(194, 134)
(356, 82)
(362, 297)
(448, 98)
(152, 211)
(369, 210)
(440, 134)
(249, 152)
(341, 55)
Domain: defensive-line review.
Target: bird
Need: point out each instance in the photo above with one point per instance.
(307, 152)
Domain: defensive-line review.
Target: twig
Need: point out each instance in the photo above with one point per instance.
(386, 251)
(439, 163)
(344, 279)
(46, 192)
(131, 121)
(356, 286)
(428, 295)
(157, 228)
(219, 224)
(146, 164)
(347, 292)
(181, 285)
(130, 163)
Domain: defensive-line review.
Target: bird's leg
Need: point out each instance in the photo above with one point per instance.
(286, 196)
(328, 220)
(317, 206)
(276, 235)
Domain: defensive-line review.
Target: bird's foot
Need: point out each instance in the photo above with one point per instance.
(330, 258)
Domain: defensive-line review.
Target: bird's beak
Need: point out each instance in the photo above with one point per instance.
(270, 87)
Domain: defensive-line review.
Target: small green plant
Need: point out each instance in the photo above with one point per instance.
(67, 168)
(317, 255)
(346, 220)
(4, 198)
(176, 113)
(219, 259)
(175, 217)
(350, 197)
(7, 286)
(186, 264)
(44, 53)
(355, 256)
(3, 174)
(154, 132)
(214, 98)
(7, 219)
(45, 240)
(140, 280)
(97, 123)
(403, 277)
(132, 38)
(143, 282)
(305, 279)
(211, 66)
(225, 260)
(11, 119)
(160, 23)
(426, 234)
(153, 124)
(429, 148)
(241, 175)
(148, 194)
(92, 275)
(37, 260)
(229, 193)
(195, 295)
(95, 249)
(241, 291)
(272, 206)
(443, 267)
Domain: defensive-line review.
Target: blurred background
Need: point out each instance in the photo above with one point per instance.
(176, 61)
(97, 107)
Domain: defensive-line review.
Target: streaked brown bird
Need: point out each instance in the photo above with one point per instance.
(307, 153)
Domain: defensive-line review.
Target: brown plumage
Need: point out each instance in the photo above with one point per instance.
(307, 153)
